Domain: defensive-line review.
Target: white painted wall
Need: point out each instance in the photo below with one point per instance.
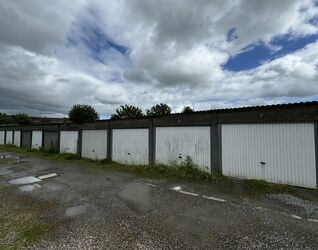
(36, 139)
(287, 149)
(68, 142)
(175, 142)
(9, 137)
(2, 137)
(17, 138)
(131, 146)
(94, 144)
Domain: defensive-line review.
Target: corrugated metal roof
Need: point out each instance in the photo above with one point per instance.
(246, 108)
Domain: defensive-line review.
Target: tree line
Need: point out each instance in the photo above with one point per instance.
(81, 113)
(20, 118)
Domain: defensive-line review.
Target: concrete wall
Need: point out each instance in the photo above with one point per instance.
(36, 139)
(279, 153)
(131, 146)
(9, 137)
(94, 144)
(51, 140)
(68, 142)
(174, 144)
(26, 139)
(17, 138)
(2, 136)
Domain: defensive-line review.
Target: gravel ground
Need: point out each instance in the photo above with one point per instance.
(93, 208)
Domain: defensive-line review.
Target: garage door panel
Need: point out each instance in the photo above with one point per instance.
(174, 144)
(94, 144)
(279, 153)
(36, 139)
(51, 140)
(9, 137)
(17, 138)
(68, 143)
(2, 135)
(131, 146)
(26, 139)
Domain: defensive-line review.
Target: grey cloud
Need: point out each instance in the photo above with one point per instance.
(177, 49)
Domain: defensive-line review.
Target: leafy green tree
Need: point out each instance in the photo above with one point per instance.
(22, 118)
(187, 109)
(159, 109)
(6, 119)
(127, 111)
(81, 113)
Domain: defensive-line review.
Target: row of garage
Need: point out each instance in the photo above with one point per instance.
(275, 152)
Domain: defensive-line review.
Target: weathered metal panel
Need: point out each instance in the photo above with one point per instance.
(36, 139)
(130, 146)
(278, 153)
(17, 138)
(68, 143)
(51, 140)
(2, 132)
(9, 137)
(26, 139)
(94, 144)
(174, 144)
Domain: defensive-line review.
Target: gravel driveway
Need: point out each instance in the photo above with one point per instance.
(86, 207)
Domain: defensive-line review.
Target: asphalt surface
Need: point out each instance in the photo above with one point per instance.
(102, 209)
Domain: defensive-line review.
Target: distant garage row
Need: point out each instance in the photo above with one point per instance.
(276, 143)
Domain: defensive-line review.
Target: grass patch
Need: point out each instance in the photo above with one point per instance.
(264, 186)
(186, 170)
(24, 221)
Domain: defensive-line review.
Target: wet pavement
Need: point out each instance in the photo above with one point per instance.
(116, 210)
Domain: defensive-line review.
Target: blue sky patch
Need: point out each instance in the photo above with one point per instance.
(254, 55)
(95, 40)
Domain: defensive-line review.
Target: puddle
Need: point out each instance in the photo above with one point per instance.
(20, 161)
(9, 156)
(24, 180)
(138, 197)
(75, 211)
(5, 171)
(29, 188)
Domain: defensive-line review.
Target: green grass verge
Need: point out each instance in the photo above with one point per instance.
(185, 170)
(264, 186)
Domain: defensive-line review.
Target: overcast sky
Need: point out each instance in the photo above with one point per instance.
(202, 53)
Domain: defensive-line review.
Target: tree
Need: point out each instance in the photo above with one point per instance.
(81, 113)
(6, 119)
(22, 118)
(187, 109)
(127, 111)
(159, 109)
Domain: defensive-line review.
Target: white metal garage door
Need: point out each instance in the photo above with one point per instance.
(131, 146)
(2, 137)
(278, 153)
(36, 139)
(68, 143)
(94, 144)
(17, 138)
(9, 137)
(173, 144)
